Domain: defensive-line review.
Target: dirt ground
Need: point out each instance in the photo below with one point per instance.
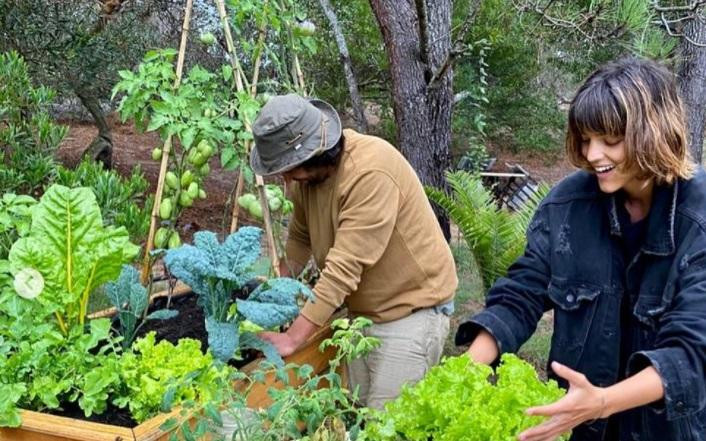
(132, 148)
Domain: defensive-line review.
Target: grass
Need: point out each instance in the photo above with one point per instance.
(470, 299)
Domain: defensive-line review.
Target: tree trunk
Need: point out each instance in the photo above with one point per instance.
(101, 149)
(357, 102)
(417, 35)
(692, 83)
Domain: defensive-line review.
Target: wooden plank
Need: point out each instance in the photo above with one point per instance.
(38, 426)
(502, 175)
(308, 354)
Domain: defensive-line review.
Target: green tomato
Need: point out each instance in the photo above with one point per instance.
(193, 190)
(273, 191)
(165, 208)
(185, 200)
(157, 154)
(275, 204)
(287, 207)
(161, 237)
(186, 178)
(255, 209)
(202, 194)
(174, 241)
(205, 148)
(199, 159)
(207, 38)
(172, 180)
(304, 28)
(205, 169)
(247, 199)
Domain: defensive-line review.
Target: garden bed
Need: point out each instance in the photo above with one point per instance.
(38, 426)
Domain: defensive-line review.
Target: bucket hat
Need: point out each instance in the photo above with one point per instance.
(291, 129)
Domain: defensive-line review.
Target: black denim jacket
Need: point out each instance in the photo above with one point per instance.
(573, 264)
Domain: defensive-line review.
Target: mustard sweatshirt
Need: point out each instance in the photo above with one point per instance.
(373, 234)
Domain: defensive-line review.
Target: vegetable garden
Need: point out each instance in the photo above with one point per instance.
(119, 320)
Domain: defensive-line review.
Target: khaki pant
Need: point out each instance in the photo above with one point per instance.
(410, 347)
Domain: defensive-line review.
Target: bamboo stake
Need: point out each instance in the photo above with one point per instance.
(300, 74)
(258, 179)
(253, 92)
(154, 219)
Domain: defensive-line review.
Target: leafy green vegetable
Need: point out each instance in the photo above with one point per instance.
(154, 369)
(215, 271)
(72, 250)
(456, 400)
(15, 218)
(131, 300)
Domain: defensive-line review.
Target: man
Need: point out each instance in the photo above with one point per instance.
(360, 209)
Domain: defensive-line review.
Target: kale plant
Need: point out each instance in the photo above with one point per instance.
(131, 301)
(215, 271)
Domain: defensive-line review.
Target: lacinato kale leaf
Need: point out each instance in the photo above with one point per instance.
(274, 302)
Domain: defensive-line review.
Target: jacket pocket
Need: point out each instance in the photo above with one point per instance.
(575, 305)
(652, 303)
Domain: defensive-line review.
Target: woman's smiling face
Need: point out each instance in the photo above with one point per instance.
(606, 154)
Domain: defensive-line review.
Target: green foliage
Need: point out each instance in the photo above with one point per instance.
(28, 137)
(131, 301)
(495, 236)
(15, 218)
(509, 104)
(369, 60)
(123, 200)
(78, 49)
(40, 368)
(72, 250)
(153, 371)
(456, 400)
(325, 411)
(215, 271)
(196, 114)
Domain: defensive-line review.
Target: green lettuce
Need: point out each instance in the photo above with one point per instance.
(457, 401)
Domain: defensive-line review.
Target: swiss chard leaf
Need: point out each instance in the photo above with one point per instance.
(72, 250)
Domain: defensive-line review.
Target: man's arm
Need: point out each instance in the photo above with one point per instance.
(288, 342)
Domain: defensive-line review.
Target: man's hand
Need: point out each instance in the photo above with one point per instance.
(583, 402)
(282, 341)
(288, 342)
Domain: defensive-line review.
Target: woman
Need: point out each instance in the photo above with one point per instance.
(618, 251)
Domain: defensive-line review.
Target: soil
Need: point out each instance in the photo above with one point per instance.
(133, 149)
(188, 324)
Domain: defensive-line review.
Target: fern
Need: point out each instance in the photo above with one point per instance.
(495, 236)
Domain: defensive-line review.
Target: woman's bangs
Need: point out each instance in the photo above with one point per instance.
(596, 110)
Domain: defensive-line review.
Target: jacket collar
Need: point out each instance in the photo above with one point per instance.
(659, 239)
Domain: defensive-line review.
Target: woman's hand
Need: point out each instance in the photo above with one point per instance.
(583, 402)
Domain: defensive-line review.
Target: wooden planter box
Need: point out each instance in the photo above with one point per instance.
(38, 426)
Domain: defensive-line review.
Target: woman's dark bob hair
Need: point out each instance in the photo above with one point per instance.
(636, 100)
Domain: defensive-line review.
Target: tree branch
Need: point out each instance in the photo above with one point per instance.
(458, 47)
(671, 33)
(690, 7)
(423, 30)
